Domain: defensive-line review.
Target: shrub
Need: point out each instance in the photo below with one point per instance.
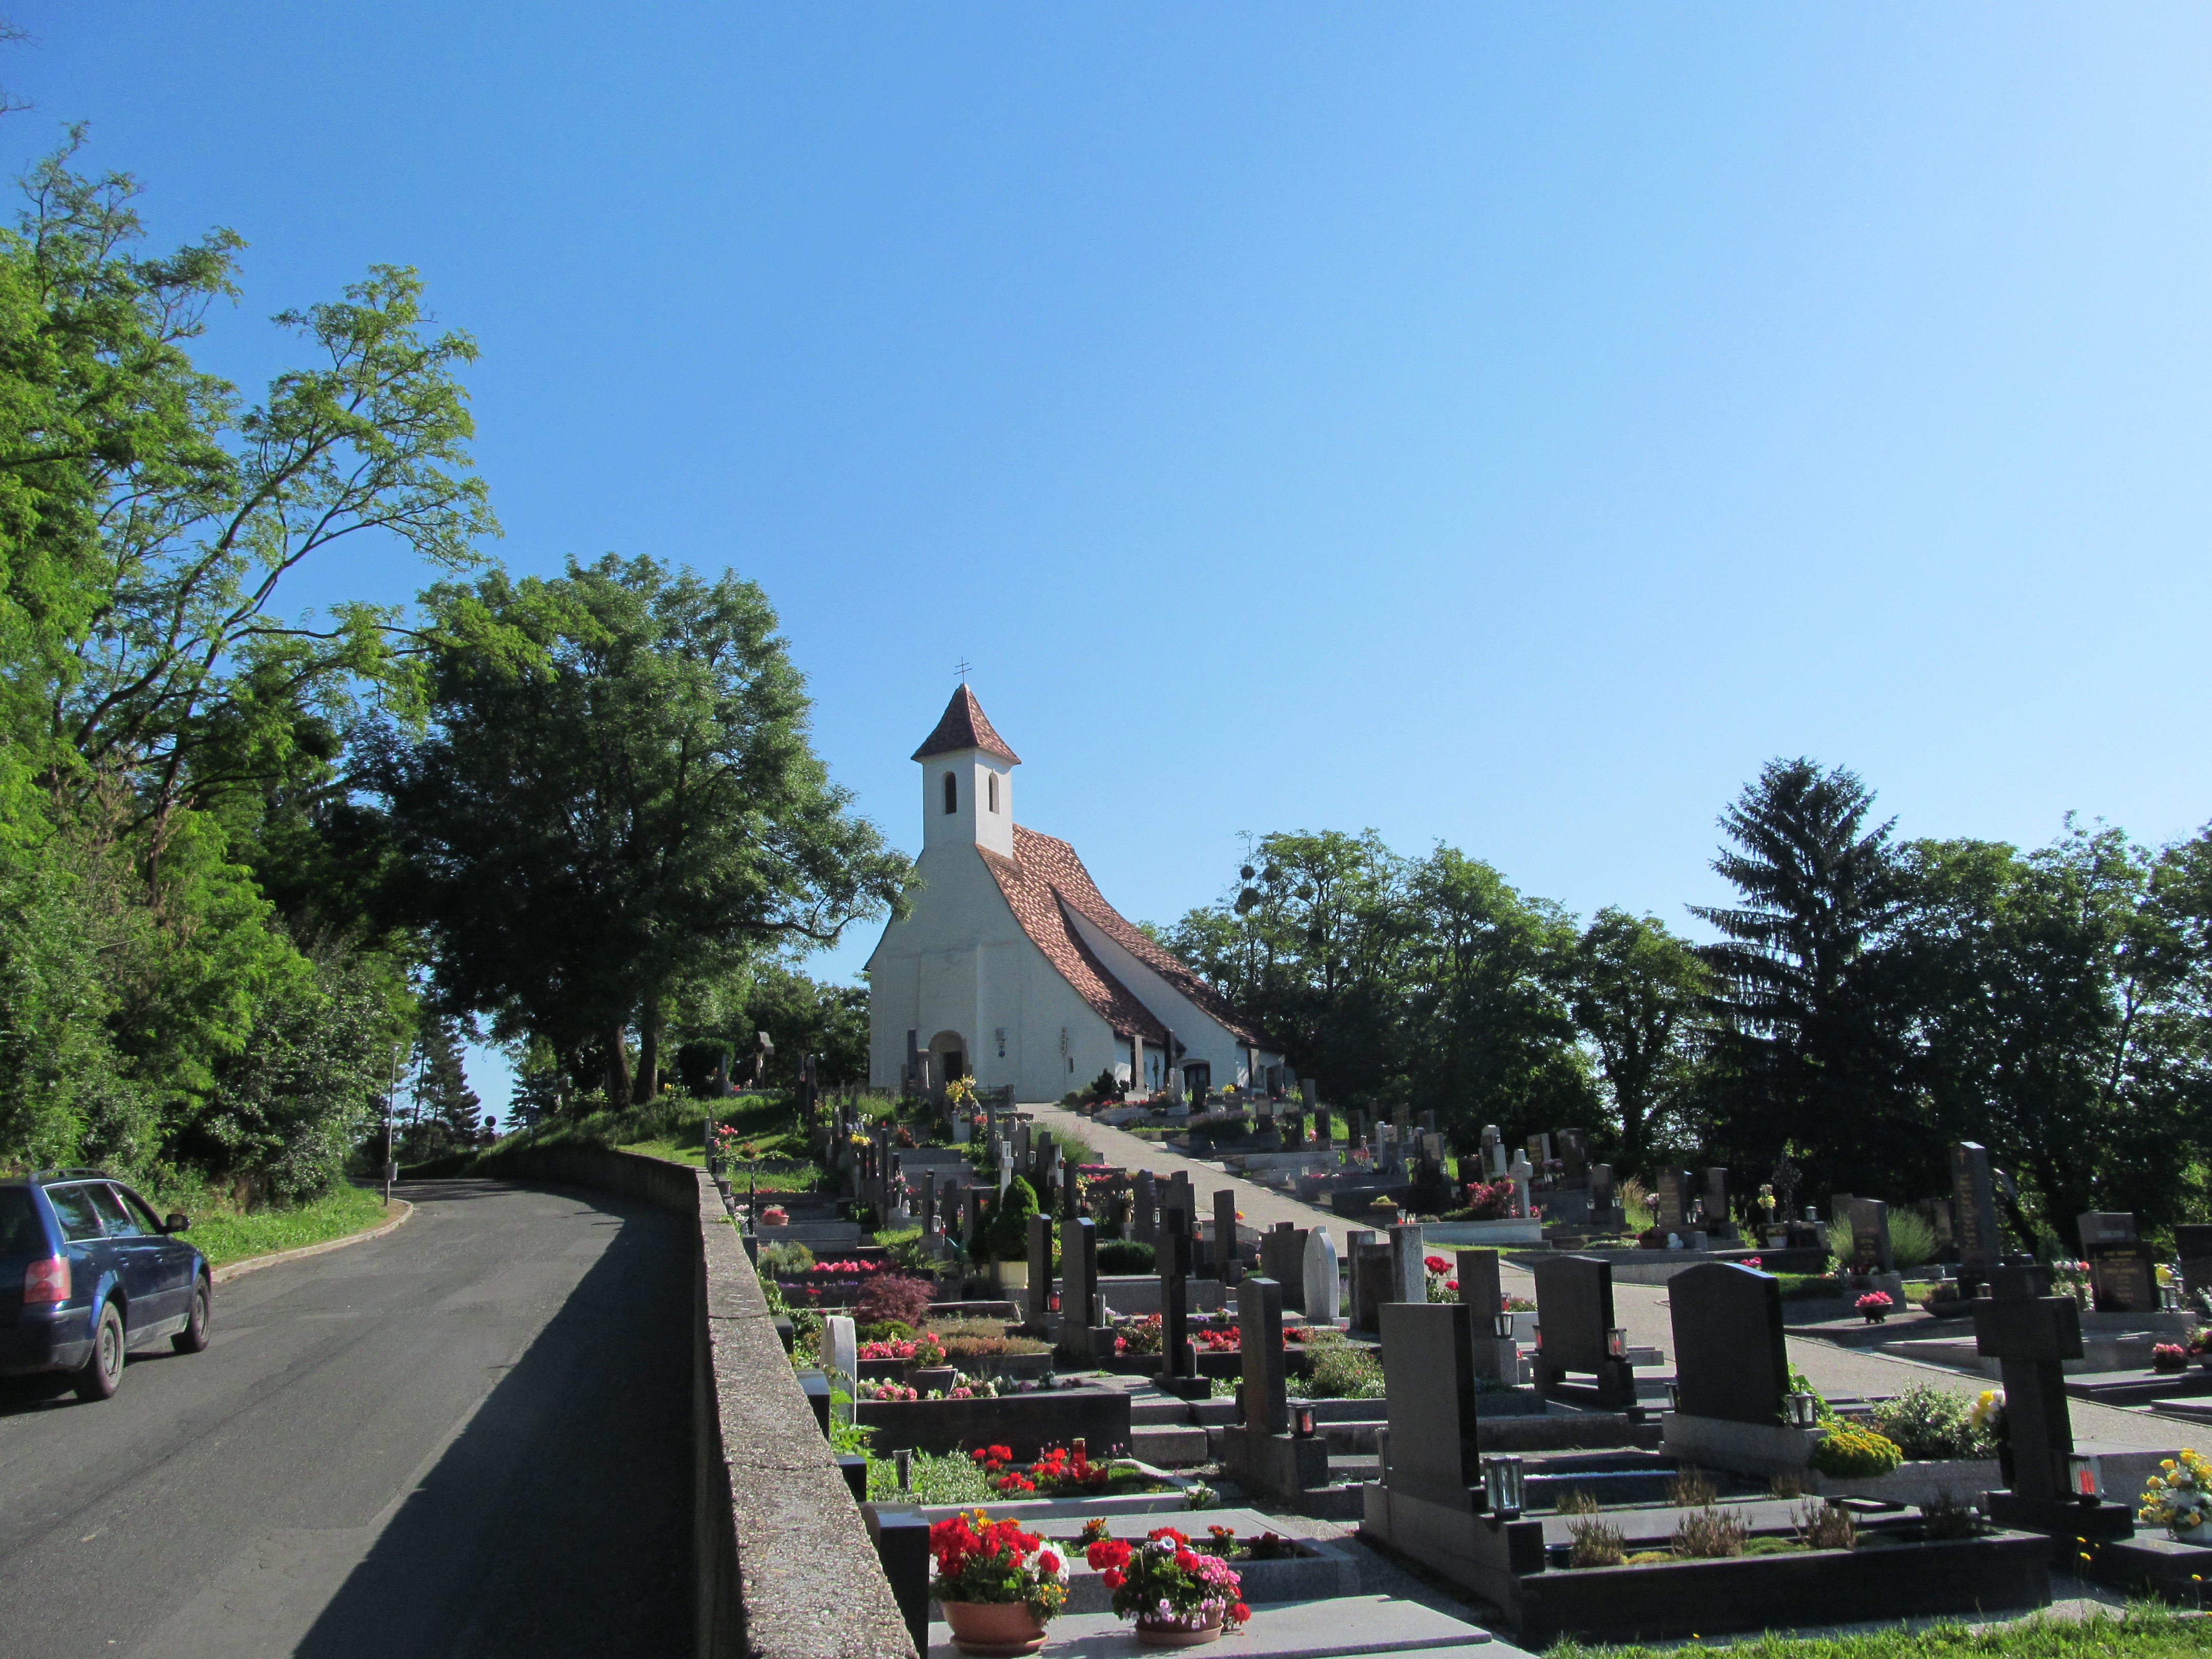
(1690, 1490)
(1912, 1239)
(1578, 1501)
(785, 1261)
(1343, 1371)
(1126, 1255)
(1928, 1422)
(1596, 1545)
(1789, 1483)
(898, 1296)
(1850, 1453)
(949, 1328)
(1710, 1533)
(1827, 1527)
(1009, 1222)
(992, 1347)
(1947, 1518)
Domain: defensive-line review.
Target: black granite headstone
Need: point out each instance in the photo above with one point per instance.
(1870, 1251)
(1574, 1315)
(1731, 1358)
(2123, 1278)
(1040, 1243)
(1974, 1212)
(1259, 1336)
(1478, 1287)
(1372, 1272)
(1226, 1264)
(2192, 1242)
(2031, 1338)
(1283, 1259)
(1146, 1217)
(1428, 1353)
(1174, 1262)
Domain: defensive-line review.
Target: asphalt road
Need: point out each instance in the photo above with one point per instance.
(471, 1438)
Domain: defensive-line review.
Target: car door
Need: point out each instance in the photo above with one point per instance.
(136, 1249)
(174, 1260)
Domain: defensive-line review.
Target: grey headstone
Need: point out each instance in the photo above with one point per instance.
(1259, 1336)
(1731, 1359)
(840, 1348)
(1321, 1278)
(1282, 1258)
(1673, 1200)
(1409, 1280)
(1870, 1251)
(1372, 1277)
(1427, 1351)
(1974, 1208)
(1478, 1287)
(2106, 1227)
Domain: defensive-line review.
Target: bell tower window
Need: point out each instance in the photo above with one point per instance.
(951, 793)
(995, 792)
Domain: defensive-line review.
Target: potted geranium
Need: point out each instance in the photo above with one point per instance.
(997, 1584)
(2168, 1356)
(1180, 1597)
(2200, 1346)
(2180, 1498)
(1876, 1305)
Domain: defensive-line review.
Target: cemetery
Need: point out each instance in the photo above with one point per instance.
(1365, 1398)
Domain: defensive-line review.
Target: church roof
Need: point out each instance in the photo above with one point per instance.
(965, 725)
(1038, 909)
(1047, 862)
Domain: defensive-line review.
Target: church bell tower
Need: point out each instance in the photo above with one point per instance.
(967, 781)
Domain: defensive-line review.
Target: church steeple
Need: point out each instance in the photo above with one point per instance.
(967, 781)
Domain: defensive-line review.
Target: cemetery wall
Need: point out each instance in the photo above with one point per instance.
(784, 1566)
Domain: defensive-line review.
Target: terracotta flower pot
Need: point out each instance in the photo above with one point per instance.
(1175, 1635)
(994, 1630)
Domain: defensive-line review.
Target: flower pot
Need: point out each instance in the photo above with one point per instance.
(994, 1630)
(1875, 1316)
(925, 1377)
(1013, 1275)
(1151, 1635)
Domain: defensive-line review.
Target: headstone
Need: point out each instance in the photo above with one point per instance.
(2123, 1270)
(1600, 1180)
(1227, 1267)
(1039, 1263)
(1731, 1360)
(1484, 1298)
(1870, 1251)
(973, 1215)
(1521, 1174)
(1282, 1258)
(1071, 1193)
(1147, 1218)
(1322, 1134)
(1259, 1336)
(1174, 1261)
(1310, 1093)
(1717, 1201)
(1321, 1278)
(1373, 1274)
(840, 1350)
(1493, 1153)
(1356, 1127)
(1574, 1314)
(1574, 1152)
(1184, 1197)
(1409, 1280)
(2031, 1338)
(1673, 1200)
(1005, 1166)
(929, 1201)
(2192, 1242)
(1426, 1350)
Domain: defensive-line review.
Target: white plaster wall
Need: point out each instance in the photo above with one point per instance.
(1203, 1036)
(973, 825)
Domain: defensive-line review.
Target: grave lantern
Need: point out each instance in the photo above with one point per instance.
(1304, 1421)
(1673, 1396)
(1539, 1339)
(1803, 1412)
(1616, 1343)
(1501, 1325)
(1501, 1485)
(2085, 1477)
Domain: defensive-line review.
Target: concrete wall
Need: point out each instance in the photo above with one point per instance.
(784, 1566)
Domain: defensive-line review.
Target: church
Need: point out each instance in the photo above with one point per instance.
(1011, 968)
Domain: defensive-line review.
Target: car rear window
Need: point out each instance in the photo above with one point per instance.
(20, 1231)
(74, 1206)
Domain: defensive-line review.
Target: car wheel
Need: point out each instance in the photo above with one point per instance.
(103, 1373)
(193, 1339)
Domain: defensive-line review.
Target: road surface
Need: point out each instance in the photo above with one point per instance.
(472, 1436)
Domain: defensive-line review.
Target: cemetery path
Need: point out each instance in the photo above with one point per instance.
(472, 1437)
(1261, 1206)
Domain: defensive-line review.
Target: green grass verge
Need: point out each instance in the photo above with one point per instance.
(2145, 1632)
(227, 1236)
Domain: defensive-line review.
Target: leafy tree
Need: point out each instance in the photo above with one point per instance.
(621, 810)
(1639, 993)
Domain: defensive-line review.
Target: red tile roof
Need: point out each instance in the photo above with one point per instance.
(1037, 907)
(965, 725)
(1051, 863)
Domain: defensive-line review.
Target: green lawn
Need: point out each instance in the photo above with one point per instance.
(226, 1237)
(2146, 1632)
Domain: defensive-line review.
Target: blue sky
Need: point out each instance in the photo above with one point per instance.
(1503, 425)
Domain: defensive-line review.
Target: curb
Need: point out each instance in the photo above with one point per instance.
(231, 1270)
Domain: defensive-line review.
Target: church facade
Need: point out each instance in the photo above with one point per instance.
(1011, 968)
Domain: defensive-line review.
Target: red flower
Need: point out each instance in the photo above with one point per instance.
(1109, 1554)
(1436, 1264)
(1111, 1578)
(1240, 1612)
(1049, 1561)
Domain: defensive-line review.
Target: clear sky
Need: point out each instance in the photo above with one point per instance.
(1507, 425)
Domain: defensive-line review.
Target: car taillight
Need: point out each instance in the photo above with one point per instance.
(46, 1281)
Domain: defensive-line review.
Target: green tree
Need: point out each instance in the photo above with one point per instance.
(1639, 996)
(442, 1110)
(621, 810)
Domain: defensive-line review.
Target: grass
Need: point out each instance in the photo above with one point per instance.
(2145, 1632)
(226, 1235)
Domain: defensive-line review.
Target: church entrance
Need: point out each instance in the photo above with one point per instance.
(951, 1049)
(1197, 1078)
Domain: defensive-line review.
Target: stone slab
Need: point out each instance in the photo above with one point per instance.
(1339, 1627)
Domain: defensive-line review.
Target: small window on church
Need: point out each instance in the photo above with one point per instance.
(952, 792)
(995, 792)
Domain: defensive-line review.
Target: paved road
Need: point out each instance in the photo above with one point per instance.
(469, 1437)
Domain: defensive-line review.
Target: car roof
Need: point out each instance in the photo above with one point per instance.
(44, 1176)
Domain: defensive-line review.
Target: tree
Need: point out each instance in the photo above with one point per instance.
(442, 1107)
(618, 809)
(1639, 995)
(1805, 1056)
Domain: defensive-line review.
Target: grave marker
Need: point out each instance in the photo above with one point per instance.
(1870, 1251)
(1321, 1278)
(1426, 1349)
(2192, 1242)
(1175, 1263)
(1574, 1318)
(1481, 1293)
(2123, 1271)
(1227, 1267)
(1282, 1258)
(1674, 1201)
(1731, 1359)
(1409, 1280)
(1040, 1266)
(1260, 1335)
(2031, 1338)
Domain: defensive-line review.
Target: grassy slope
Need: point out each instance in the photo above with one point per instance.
(2144, 1634)
(227, 1236)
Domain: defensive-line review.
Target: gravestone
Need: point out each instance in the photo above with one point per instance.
(1320, 1277)
(1309, 1093)
(929, 1201)
(840, 1351)
(1717, 1220)
(1322, 1134)
(1673, 1200)
(2192, 1242)
(1574, 1315)
(1574, 1152)
(1731, 1360)
(1426, 1350)
(1370, 1278)
(1006, 1166)
(1039, 1263)
(2031, 1338)
(1356, 1127)
(1182, 1196)
(1497, 1358)
(1176, 1362)
(1409, 1280)
(1071, 1193)
(1226, 1266)
(1081, 1318)
(1870, 1251)
(1148, 1213)
(1603, 1207)
(1521, 1173)
(1282, 1258)
(1493, 1153)
(2123, 1270)
(971, 1217)
(1974, 1209)
(1260, 1335)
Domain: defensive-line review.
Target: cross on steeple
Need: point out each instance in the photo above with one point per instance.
(961, 671)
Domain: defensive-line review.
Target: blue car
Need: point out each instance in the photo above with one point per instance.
(88, 1273)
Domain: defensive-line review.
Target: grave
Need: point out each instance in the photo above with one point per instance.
(1178, 1373)
(1319, 1273)
(1282, 1258)
(1371, 1276)
(1084, 1336)
(1731, 1372)
(1575, 1333)
(1497, 1358)
(2123, 1270)
(2192, 1242)
(1672, 1201)
(1409, 1279)
(1870, 1247)
(1260, 1450)
(1227, 1266)
(1974, 1210)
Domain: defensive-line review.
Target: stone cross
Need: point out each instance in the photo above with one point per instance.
(1226, 1266)
(1005, 1167)
(1519, 1173)
(1260, 1335)
(1321, 1279)
(1176, 1358)
(2031, 1338)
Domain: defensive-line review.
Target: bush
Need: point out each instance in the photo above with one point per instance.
(1827, 1527)
(1912, 1239)
(1596, 1545)
(1343, 1371)
(1709, 1535)
(1126, 1255)
(1690, 1490)
(1928, 1422)
(1853, 1454)
(783, 1261)
(899, 1297)
(1008, 1222)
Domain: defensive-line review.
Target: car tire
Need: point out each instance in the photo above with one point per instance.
(102, 1374)
(193, 1339)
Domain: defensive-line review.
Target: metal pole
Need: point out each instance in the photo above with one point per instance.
(390, 1092)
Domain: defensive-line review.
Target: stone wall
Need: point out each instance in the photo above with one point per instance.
(784, 1566)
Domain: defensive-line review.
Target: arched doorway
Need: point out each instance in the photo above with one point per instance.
(949, 1049)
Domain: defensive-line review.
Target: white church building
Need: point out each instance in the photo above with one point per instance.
(1011, 968)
